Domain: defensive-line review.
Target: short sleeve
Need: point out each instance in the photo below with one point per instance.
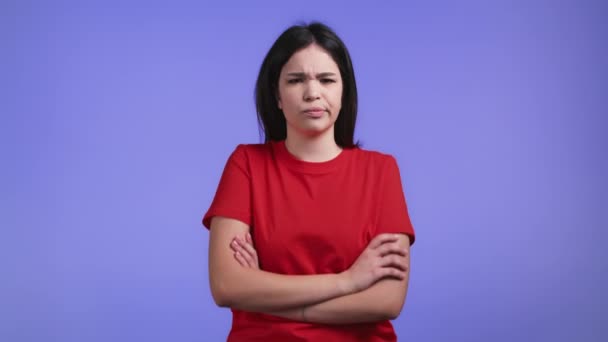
(233, 195)
(393, 216)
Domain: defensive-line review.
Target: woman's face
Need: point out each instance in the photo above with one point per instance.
(310, 91)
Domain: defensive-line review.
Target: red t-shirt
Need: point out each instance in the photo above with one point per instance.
(310, 218)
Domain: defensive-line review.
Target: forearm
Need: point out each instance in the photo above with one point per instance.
(250, 289)
(380, 302)
(260, 291)
(255, 290)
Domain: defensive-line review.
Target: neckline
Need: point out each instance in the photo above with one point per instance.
(305, 166)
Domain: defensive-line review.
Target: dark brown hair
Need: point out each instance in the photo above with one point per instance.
(270, 118)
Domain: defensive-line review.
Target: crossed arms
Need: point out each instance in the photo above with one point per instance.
(372, 289)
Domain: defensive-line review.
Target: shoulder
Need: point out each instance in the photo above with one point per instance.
(250, 150)
(377, 158)
(249, 155)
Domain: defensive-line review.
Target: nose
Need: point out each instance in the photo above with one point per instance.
(312, 91)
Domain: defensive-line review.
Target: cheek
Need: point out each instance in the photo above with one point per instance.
(289, 106)
(336, 99)
(287, 99)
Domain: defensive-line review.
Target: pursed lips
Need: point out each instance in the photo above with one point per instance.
(315, 113)
(314, 110)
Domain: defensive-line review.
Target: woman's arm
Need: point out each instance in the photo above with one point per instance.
(256, 290)
(383, 300)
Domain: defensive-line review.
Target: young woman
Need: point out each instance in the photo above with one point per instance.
(309, 233)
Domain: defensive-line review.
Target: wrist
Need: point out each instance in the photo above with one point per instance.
(345, 284)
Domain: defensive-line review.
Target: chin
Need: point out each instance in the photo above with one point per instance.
(314, 131)
(312, 127)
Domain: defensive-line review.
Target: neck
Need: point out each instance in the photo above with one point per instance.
(316, 149)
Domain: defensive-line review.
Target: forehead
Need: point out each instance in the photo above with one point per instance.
(311, 59)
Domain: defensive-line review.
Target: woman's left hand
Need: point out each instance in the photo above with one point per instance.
(244, 252)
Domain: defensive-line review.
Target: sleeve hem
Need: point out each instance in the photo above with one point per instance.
(407, 232)
(241, 216)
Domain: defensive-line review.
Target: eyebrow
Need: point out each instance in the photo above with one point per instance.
(320, 75)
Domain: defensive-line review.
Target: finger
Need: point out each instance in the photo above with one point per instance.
(382, 238)
(249, 248)
(251, 255)
(249, 239)
(392, 272)
(234, 245)
(244, 257)
(388, 272)
(391, 248)
(246, 254)
(396, 261)
(237, 246)
(240, 259)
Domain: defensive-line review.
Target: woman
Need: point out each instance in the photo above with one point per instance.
(309, 233)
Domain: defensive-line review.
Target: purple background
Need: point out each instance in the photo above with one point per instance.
(117, 120)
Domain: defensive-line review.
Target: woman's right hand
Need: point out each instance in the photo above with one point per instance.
(384, 257)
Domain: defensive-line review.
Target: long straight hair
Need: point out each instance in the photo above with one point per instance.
(270, 118)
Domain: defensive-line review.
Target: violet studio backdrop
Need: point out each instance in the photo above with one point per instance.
(117, 119)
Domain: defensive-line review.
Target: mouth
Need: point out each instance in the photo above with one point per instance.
(314, 113)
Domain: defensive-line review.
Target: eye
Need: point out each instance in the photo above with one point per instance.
(327, 80)
(294, 80)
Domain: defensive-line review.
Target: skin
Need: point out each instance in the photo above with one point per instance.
(310, 78)
(247, 256)
(373, 288)
(256, 290)
(376, 302)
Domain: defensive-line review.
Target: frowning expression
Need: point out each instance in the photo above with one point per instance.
(310, 91)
